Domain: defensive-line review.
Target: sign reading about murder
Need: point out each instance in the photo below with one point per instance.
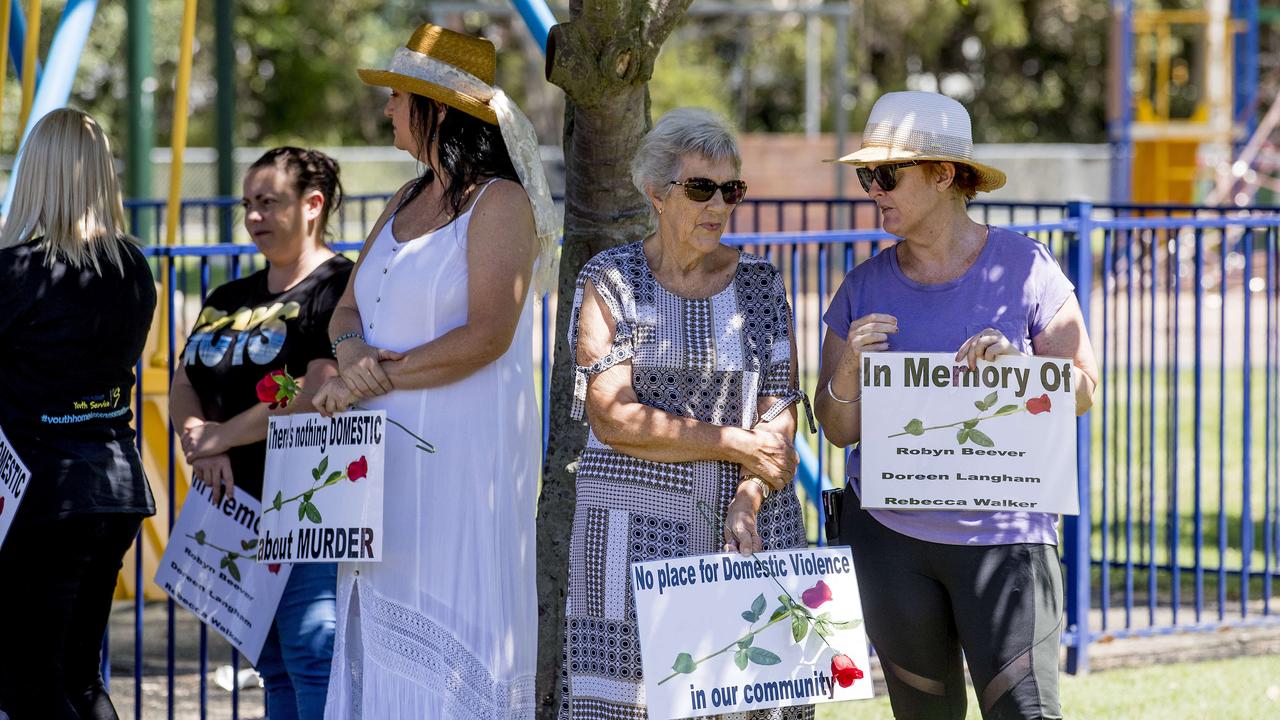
(14, 477)
(938, 436)
(323, 488)
(208, 567)
(726, 633)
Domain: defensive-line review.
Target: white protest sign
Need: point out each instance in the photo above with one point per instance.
(323, 488)
(208, 567)
(726, 633)
(937, 436)
(14, 476)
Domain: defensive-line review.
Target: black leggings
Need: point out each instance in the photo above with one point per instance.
(925, 602)
(58, 580)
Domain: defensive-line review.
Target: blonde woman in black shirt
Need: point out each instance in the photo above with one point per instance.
(77, 298)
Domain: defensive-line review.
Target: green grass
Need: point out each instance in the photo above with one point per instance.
(1130, 451)
(1238, 689)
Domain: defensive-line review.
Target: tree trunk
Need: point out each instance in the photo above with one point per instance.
(603, 59)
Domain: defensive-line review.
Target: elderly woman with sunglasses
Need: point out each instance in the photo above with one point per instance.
(686, 372)
(939, 582)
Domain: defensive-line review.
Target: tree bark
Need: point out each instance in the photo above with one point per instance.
(603, 59)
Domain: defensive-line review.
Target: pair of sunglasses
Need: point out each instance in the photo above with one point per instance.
(886, 176)
(702, 189)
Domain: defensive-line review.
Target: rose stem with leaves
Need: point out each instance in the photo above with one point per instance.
(969, 424)
(229, 560)
(790, 609)
(333, 479)
(752, 633)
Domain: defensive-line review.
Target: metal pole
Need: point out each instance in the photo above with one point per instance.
(173, 209)
(182, 88)
(839, 111)
(4, 48)
(224, 20)
(17, 38)
(30, 51)
(1120, 100)
(812, 72)
(142, 112)
(1245, 104)
(1077, 548)
(537, 16)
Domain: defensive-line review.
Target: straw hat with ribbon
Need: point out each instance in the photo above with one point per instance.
(921, 126)
(458, 70)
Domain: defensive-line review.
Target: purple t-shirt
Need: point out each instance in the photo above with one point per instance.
(1016, 287)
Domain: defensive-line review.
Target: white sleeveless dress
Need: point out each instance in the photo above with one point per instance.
(446, 625)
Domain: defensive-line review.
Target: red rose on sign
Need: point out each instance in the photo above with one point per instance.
(816, 595)
(844, 671)
(269, 387)
(358, 469)
(1038, 405)
(274, 568)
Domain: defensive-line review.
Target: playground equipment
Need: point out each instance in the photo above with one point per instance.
(1184, 98)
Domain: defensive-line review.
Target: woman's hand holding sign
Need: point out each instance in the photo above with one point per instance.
(215, 471)
(740, 534)
(334, 397)
(840, 377)
(869, 333)
(986, 345)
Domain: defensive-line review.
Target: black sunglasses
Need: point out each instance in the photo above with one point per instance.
(701, 189)
(886, 176)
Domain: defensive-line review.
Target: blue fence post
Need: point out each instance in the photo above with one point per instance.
(1077, 529)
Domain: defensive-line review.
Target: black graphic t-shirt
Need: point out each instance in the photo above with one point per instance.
(245, 331)
(70, 339)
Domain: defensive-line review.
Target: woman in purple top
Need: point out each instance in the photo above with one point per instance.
(939, 582)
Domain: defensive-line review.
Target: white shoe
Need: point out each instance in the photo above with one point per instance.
(246, 678)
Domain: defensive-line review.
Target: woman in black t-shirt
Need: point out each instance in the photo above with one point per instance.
(77, 298)
(276, 318)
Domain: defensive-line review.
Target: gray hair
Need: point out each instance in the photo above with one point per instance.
(678, 133)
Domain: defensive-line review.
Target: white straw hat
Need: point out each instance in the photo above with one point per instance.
(921, 126)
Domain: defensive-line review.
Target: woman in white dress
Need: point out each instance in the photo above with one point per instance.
(436, 329)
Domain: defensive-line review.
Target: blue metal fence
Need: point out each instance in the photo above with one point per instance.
(1179, 472)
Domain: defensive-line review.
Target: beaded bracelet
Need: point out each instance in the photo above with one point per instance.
(341, 338)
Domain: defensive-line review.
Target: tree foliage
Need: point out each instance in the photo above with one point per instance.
(1029, 70)
(295, 77)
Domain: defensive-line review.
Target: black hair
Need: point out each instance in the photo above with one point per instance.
(310, 170)
(469, 149)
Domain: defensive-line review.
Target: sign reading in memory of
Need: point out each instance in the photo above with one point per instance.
(725, 633)
(323, 488)
(938, 436)
(208, 567)
(14, 476)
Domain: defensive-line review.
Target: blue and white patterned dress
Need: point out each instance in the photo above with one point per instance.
(711, 359)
